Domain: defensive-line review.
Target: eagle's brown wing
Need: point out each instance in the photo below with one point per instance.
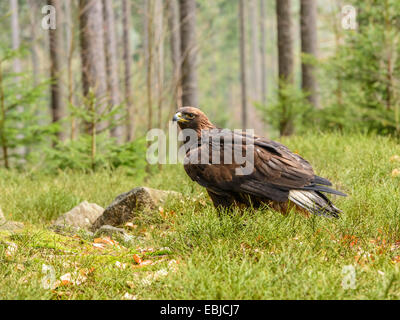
(276, 171)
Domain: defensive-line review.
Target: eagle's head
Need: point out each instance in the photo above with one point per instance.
(192, 118)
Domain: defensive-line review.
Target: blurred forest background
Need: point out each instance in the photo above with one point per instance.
(84, 93)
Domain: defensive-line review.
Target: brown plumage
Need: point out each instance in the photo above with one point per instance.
(279, 178)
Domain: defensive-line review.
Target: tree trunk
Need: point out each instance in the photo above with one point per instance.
(56, 44)
(308, 21)
(263, 53)
(71, 46)
(255, 51)
(33, 11)
(112, 66)
(243, 75)
(15, 33)
(93, 58)
(148, 53)
(335, 7)
(17, 67)
(126, 21)
(175, 39)
(3, 136)
(159, 41)
(188, 52)
(285, 57)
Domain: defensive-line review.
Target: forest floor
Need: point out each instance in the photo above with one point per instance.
(193, 253)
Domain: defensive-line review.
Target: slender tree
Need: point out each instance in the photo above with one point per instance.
(285, 59)
(127, 49)
(255, 50)
(263, 52)
(57, 104)
(33, 11)
(188, 52)
(15, 34)
(159, 41)
(335, 7)
(243, 75)
(148, 53)
(93, 57)
(308, 22)
(71, 46)
(114, 96)
(175, 40)
(3, 137)
(17, 66)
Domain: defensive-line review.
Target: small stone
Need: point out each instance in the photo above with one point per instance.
(128, 205)
(109, 231)
(11, 226)
(80, 217)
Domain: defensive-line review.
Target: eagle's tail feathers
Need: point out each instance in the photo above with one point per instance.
(323, 181)
(314, 202)
(324, 189)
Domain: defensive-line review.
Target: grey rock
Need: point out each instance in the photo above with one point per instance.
(81, 217)
(128, 205)
(109, 231)
(113, 232)
(11, 226)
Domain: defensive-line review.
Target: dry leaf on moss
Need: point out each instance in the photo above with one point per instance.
(395, 158)
(396, 173)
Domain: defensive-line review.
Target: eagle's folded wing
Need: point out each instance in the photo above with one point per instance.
(276, 171)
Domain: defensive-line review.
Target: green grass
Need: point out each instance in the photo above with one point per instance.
(251, 255)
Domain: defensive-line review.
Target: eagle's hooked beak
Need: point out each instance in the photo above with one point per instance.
(178, 117)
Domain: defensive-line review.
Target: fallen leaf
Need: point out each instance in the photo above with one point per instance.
(99, 245)
(161, 273)
(66, 279)
(120, 265)
(349, 240)
(396, 173)
(20, 267)
(396, 259)
(11, 249)
(75, 278)
(106, 240)
(395, 246)
(131, 225)
(146, 263)
(395, 158)
(173, 265)
(86, 271)
(137, 259)
(128, 296)
(141, 250)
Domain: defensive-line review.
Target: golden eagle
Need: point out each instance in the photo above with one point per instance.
(277, 177)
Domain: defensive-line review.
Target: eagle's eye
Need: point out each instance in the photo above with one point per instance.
(190, 116)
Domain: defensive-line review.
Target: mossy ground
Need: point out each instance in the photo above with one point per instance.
(243, 255)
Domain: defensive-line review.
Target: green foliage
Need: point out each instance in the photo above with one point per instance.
(77, 155)
(290, 107)
(359, 83)
(20, 123)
